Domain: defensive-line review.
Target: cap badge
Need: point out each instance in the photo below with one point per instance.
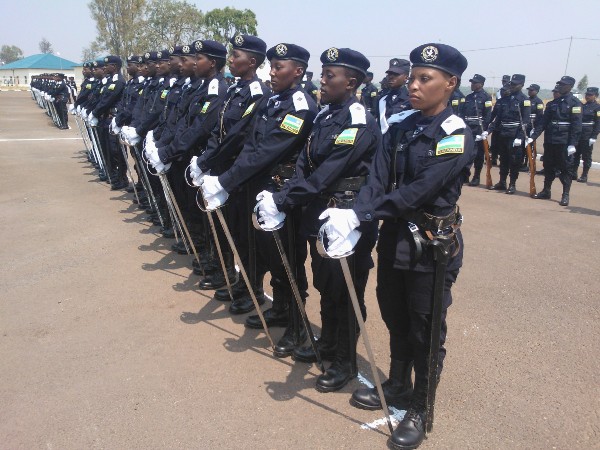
(171, 49)
(147, 55)
(239, 40)
(198, 45)
(186, 49)
(281, 50)
(332, 54)
(429, 53)
(106, 59)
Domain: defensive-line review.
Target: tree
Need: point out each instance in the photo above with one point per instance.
(583, 84)
(120, 24)
(10, 53)
(45, 46)
(222, 24)
(90, 53)
(171, 22)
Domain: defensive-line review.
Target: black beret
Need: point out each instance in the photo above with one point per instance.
(98, 63)
(591, 91)
(210, 48)
(152, 56)
(133, 59)
(345, 57)
(249, 43)
(477, 79)
(176, 50)
(517, 78)
(187, 50)
(289, 51)
(439, 56)
(163, 55)
(399, 66)
(112, 59)
(87, 64)
(533, 87)
(567, 80)
(505, 77)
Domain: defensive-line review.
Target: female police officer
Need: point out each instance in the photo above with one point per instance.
(333, 166)
(414, 184)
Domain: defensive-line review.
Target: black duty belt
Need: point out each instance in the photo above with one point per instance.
(351, 184)
(284, 171)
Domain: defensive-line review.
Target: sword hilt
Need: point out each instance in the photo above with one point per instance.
(323, 243)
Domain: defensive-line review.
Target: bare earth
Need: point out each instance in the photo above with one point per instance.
(105, 343)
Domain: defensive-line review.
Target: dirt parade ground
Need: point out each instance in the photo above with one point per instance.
(106, 343)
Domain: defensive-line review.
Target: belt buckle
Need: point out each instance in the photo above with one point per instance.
(413, 228)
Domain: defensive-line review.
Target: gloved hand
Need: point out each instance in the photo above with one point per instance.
(162, 168)
(92, 120)
(592, 141)
(212, 191)
(114, 127)
(517, 142)
(340, 222)
(150, 136)
(340, 247)
(78, 109)
(484, 135)
(149, 148)
(153, 157)
(269, 217)
(132, 136)
(478, 138)
(196, 173)
(528, 141)
(571, 150)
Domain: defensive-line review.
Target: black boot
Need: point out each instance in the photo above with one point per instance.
(343, 368)
(544, 194)
(244, 304)
(397, 389)
(564, 201)
(289, 342)
(500, 186)
(217, 280)
(274, 317)
(475, 180)
(583, 177)
(410, 432)
(168, 232)
(511, 189)
(326, 345)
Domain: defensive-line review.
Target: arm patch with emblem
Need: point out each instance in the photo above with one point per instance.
(204, 107)
(540, 106)
(451, 145)
(248, 110)
(292, 124)
(164, 93)
(526, 102)
(347, 137)
(488, 103)
(576, 110)
(111, 87)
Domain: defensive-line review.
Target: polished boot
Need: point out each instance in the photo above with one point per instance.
(168, 232)
(244, 304)
(217, 280)
(511, 189)
(410, 432)
(397, 389)
(343, 368)
(544, 194)
(583, 177)
(475, 180)
(564, 201)
(288, 342)
(274, 317)
(500, 186)
(326, 345)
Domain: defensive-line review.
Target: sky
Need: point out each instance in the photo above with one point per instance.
(381, 29)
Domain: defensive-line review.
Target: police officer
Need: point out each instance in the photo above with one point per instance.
(235, 124)
(537, 112)
(331, 168)
(561, 125)
(477, 112)
(457, 101)
(368, 94)
(512, 110)
(395, 98)
(61, 95)
(589, 134)
(309, 87)
(280, 131)
(414, 185)
(499, 94)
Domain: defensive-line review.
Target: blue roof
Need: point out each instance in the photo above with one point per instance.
(41, 61)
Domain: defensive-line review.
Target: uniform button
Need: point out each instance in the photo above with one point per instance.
(368, 216)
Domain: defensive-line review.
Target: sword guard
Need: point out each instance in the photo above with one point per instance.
(258, 225)
(322, 244)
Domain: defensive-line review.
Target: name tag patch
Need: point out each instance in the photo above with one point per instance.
(451, 145)
(292, 124)
(205, 107)
(347, 137)
(248, 110)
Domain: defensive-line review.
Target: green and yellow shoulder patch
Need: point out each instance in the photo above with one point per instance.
(576, 110)
(292, 124)
(204, 107)
(248, 110)
(111, 87)
(526, 102)
(164, 93)
(540, 106)
(451, 145)
(347, 137)
(488, 104)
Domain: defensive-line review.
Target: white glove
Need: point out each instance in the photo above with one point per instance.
(528, 141)
(592, 141)
(132, 137)
(162, 168)
(150, 136)
(517, 142)
(269, 217)
(196, 173)
(478, 138)
(340, 222)
(78, 109)
(571, 150)
(214, 194)
(71, 107)
(52, 99)
(341, 247)
(93, 120)
(149, 148)
(113, 125)
(153, 157)
(484, 135)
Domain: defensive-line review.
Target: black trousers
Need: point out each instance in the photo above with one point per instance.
(510, 158)
(405, 300)
(584, 152)
(556, 159)
(479, 157)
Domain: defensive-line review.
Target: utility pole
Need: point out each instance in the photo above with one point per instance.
(568, 54)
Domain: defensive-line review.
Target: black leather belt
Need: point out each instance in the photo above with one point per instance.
(284, 171)
(352, 184)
